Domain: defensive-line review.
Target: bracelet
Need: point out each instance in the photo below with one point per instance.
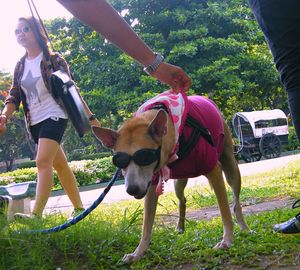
(152, 67)
(92, 117)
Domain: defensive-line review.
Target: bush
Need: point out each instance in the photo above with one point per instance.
(86, 172)
(293, 143)
(27, 164)
(92, 171)
(18, 176)
(83, 156)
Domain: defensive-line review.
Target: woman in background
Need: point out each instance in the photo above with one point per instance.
(46, 118)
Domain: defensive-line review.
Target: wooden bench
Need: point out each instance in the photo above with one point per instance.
(20, 195)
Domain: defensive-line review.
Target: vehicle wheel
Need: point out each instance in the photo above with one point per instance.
(250, 153)
(270, 146)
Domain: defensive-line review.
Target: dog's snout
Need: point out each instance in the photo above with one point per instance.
(133, 190)
(137, 180)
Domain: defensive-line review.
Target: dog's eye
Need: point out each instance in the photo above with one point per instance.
(121, 160)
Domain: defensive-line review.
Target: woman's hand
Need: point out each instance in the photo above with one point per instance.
(3, 121)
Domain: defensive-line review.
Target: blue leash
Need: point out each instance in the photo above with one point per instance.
(82, 215)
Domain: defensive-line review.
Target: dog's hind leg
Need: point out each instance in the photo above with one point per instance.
(216, 181)
(179, 185)
(233, 177)
(150, 204)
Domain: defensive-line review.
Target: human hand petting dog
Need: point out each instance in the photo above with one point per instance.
(174, 76)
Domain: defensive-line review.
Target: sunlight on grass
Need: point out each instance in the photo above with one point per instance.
(112, 230)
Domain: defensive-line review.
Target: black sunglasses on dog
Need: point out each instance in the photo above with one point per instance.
(142, 157)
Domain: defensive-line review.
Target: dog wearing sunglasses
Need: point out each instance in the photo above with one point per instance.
(174, 136)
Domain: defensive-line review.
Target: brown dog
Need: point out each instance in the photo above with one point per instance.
(144, 144)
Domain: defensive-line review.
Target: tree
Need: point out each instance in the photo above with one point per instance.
(217, 42)
(16, 142)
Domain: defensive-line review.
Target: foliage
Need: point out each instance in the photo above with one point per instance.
(27, 164)
(86, 172)
(293, 142)
(217, 42)
(83, 155)
(92, 171)
(5, 82)
(16, 142)
(19, 176)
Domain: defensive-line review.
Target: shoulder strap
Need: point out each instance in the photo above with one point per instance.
(40, 41)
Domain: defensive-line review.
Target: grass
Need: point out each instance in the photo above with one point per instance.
(112, 230)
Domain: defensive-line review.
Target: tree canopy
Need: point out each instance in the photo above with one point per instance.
(217, 42)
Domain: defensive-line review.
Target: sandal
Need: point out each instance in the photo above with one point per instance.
(77, 211)
(23, 216)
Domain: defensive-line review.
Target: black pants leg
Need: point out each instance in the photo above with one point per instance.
(280, 22)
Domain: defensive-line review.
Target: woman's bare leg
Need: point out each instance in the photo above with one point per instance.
(67, 178)
(47, 150)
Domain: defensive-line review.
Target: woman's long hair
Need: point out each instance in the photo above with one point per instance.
(39, 33)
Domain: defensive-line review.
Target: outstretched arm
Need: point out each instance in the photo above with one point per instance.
(103, 18)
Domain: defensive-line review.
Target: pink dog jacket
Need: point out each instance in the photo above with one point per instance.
(203, 157)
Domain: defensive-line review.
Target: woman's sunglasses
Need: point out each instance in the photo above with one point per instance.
(25, 30)
(142, 157)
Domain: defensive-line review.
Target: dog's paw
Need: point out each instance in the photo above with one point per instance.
(130, 258)
(223, 245)
(248, 232)
(180, 230)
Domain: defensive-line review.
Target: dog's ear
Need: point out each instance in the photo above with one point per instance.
(158, 126)
(107, 136)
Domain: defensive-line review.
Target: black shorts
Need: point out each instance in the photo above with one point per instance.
(50, 128)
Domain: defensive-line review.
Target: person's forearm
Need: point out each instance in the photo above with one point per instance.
(102, 17)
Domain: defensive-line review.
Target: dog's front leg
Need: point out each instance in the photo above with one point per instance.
(150, 204)
(216, 180)
(180, 185)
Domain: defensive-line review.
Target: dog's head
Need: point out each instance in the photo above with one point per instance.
(141, 147)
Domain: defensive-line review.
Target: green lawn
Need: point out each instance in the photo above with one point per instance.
(110, 231)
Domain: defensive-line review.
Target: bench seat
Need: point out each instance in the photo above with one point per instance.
(21, 195)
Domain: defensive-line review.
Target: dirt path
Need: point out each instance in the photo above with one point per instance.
(208, 213)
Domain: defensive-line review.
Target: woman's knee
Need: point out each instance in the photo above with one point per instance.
(44, 162)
